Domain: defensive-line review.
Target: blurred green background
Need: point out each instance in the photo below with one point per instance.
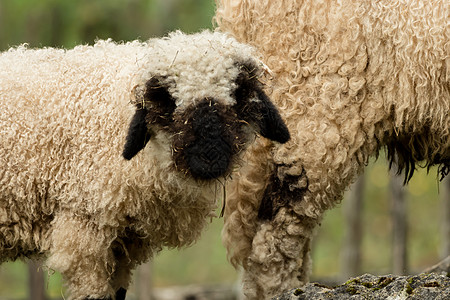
(66, 23)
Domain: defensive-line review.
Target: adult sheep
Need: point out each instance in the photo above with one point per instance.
(351, 78)
(180, 110)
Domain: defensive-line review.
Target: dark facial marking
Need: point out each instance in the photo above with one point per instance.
(157, 107)
(207, 138)
(255, 107)
(209, 156)
(161, 104)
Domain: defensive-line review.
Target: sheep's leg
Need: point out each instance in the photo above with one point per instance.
(121, 279)
(122, 273)
(121, 293)
(262, 231)
(130, 250)
(82, 253)
(275, 255)
(280, 255)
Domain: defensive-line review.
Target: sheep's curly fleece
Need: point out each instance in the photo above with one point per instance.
(65, 189)
(350, 78)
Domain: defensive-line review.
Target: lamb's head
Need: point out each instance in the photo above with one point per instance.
(204, 91)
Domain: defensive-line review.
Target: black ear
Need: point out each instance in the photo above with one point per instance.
(271, 125)
(160, 101)
(156, 108)
(255, 107)
(138, 134)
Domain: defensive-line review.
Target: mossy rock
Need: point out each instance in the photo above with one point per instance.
(415, 287)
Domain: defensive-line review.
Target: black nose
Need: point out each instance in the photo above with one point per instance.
(209, 156)
(209, 159)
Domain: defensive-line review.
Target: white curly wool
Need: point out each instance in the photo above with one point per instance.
(196, 76)
(350, 77)
(67, 193)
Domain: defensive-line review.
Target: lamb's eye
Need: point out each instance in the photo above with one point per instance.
(247, 83)
(159, 100)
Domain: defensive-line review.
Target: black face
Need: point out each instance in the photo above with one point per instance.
(212, 137)
(209, 155)
(207, 137)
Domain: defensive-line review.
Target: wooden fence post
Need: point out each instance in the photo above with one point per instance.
(144, 288)
(399, 225)
(445, 200)
(351, 251)
(36, 282)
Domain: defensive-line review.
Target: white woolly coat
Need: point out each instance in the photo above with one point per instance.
(65, 190)
(350, 78)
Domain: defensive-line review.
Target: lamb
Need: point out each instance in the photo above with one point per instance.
(350, 78)
(180, 110)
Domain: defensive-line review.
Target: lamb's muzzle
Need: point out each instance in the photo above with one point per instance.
(209, 156)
